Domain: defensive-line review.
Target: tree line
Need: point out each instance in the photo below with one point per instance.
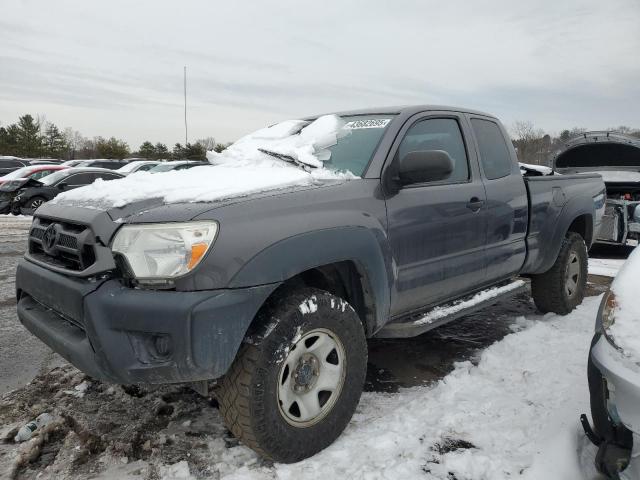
(34, 137)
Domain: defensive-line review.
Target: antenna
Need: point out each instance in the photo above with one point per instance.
(186, 137)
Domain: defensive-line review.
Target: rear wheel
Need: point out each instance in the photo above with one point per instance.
(295, 384)
(561, 288)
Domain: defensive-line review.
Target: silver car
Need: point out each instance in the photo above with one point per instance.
(614, 377)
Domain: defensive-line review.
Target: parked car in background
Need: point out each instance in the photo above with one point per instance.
(614, 376)
(616, 158)
(102, 163)
(12, 182)
(36, 192)
(272, 290)
(31, 171)
(138, 166)
(43, 161)
(73, 163)
(177, 165)
(9, 164)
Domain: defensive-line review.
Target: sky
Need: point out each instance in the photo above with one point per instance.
(115, 68)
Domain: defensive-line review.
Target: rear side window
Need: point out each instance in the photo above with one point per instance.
(80, 179)
(107, 176)
(438, 134)
(494, 155)
(10, 164)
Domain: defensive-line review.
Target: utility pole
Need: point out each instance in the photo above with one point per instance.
(186, 137)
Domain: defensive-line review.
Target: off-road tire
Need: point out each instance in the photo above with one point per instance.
(248, 393)
(548, 288)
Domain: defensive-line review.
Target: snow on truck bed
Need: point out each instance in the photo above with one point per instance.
(239, 170)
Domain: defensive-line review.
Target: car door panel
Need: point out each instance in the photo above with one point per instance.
(507, 203)
(437, 233)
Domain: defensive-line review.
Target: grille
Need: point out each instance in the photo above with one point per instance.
(69, 246)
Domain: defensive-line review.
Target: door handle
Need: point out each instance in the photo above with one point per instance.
(475, 204)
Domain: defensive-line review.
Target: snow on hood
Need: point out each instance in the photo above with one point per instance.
(240, 170)
(626, 329)
(618, 176)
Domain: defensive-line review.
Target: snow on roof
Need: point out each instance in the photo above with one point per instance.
(241, 169)
(625, 331)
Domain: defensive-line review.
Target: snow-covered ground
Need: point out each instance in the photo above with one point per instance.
(513, 414)
(606, 267)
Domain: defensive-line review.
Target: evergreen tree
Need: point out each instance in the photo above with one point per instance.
(29, 138)
(161, 151)
(112, 148)
(9, 140)
(147, 150)
(54, 142)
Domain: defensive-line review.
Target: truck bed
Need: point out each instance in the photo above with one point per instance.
(549, 197)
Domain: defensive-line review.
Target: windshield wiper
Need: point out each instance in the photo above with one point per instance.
(287, 158)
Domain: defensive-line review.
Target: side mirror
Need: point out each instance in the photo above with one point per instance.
(62, 185)
(424, 166)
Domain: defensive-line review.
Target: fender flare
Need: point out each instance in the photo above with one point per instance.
(293, 255)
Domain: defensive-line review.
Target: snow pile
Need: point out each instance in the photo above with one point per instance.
(241, 169)
(515, 415)
(537, 168)
(626, 328)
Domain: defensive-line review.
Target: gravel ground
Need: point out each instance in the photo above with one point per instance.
(137, 431)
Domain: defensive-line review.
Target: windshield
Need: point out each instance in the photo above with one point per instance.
(54, 177)
(130, 166)
(354, 151)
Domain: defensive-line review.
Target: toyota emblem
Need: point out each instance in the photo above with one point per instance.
(50, 237)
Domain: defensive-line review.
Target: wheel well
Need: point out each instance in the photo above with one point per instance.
(583, 226)
(343, 279)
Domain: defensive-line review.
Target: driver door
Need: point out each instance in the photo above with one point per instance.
(437, 230)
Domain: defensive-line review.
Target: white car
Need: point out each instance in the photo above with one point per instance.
(614, 376)
(137, 166)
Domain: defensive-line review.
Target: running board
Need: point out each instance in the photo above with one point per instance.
(417, 324)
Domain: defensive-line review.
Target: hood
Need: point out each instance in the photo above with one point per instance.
(594, 151)
(155, 210)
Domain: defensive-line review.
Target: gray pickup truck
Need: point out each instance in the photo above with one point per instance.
(273, 304)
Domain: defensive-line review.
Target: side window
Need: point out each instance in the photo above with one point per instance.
(438, 134)
(80, 179)
(40, 173)
(146, 167)
(494, 154)
(108, 176)
(11, 164)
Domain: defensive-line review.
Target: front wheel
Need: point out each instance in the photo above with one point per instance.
(561, 288)
(296, 382)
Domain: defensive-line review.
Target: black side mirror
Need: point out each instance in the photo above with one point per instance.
(424, 166)
(62, 185)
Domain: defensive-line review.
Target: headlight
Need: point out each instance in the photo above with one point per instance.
(164, 250)
(609, 314)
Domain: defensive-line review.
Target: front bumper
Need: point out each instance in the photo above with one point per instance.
(124, 335)
(622, 381)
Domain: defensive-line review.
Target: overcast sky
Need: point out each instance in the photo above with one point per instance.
(115, 67)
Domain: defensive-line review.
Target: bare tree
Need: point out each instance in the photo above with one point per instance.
(532, 144)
